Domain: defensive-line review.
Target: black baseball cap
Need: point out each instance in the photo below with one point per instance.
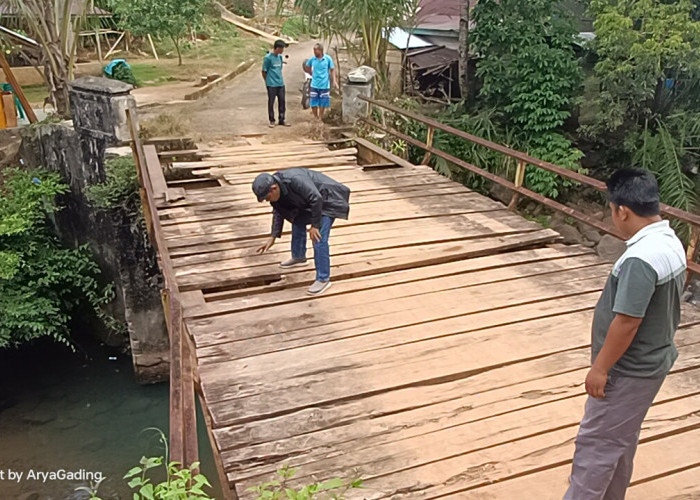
(280, 44)
(262, 185)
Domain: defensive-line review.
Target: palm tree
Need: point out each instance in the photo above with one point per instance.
(361, 25)
(54, 25)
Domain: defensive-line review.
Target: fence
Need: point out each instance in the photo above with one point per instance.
(523, 160)
(183, 417)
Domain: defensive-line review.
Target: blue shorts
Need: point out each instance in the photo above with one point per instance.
(320, 98)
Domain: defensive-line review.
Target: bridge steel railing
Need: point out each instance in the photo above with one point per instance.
(523, 160)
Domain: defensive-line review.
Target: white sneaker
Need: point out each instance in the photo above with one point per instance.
(294, 263)
(319, 287)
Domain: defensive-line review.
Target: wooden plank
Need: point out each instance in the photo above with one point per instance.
(246, 258)
(17, 88)
(390, 332)
(658, 456)
(195, 214)
(230, 17)
(538, 380)
(258, 226)
(221, 302)
(155, 171)
(365, 144)
(464, 226)
(232, 194)
(396, 285)
(198, 94)
(512, 441)
(374, 262)
(367, 213)
(671, 484)
(381, 372)
(280, 154)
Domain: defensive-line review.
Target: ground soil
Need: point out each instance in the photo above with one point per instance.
(240, 107)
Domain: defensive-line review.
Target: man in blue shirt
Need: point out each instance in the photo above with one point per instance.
(322, 71)
(272, 75)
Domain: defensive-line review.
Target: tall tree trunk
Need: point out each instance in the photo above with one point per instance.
(176, 41)
(464, 48)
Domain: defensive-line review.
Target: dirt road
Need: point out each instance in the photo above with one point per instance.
(240, 108)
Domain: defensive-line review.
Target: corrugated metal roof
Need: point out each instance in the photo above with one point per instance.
(402, 39)
(437, 58)
(440, 15)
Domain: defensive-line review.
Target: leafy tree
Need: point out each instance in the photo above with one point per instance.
(530, 75)
(165, 18)
(41, 283)
(649, 61)
(648, 109)
(526, 62)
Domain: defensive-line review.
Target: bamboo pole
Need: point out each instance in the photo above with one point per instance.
(31, 116)
(153, 47)
(115, 45)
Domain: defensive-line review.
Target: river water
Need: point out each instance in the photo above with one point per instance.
(82, 413)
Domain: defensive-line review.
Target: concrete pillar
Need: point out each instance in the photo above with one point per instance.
(354, 108)
(118, 241)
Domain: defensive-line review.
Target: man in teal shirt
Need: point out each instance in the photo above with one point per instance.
(272, 75)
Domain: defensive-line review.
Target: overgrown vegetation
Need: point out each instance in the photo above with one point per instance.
(279, 489)
(641, 105)
(163, 125)
(180, 483)
(530, 75)
(174, 19)
(296, 27)
(42, 283)
(647, 112)
(121, 187)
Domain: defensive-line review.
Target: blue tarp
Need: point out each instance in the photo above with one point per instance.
(110, 67)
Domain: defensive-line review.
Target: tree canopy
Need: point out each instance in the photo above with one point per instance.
(164, 18)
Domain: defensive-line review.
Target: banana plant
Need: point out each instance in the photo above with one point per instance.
(361, 25)
(55, 25)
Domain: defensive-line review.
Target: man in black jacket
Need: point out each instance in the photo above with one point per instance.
(304, 198)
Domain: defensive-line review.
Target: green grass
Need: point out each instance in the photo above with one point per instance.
(36, 94)
(152, 74)
(219, 54)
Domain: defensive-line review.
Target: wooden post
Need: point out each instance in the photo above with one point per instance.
(692, 249)
(31, 116)
(98, 45)
(109, 53)
(189, 405)
(429, 143)
(519, 179)
(153, 47)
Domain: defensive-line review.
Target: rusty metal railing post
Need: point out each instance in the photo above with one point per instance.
(692, 250)
(429, 142)
(519, 180)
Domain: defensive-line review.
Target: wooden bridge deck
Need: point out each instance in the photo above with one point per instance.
(447, 360)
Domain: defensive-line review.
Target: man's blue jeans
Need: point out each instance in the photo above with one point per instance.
(322, 254)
